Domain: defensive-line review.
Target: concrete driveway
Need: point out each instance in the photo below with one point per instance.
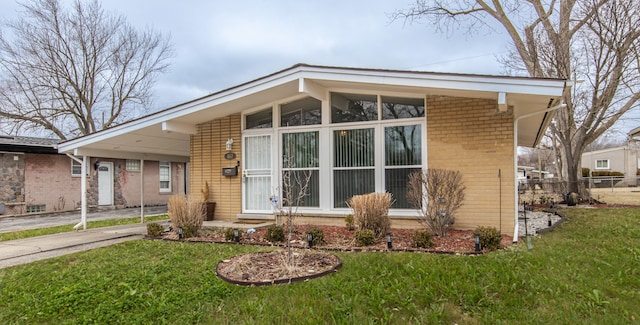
(8, 224)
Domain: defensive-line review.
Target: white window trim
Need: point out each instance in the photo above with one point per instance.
(603, 168)
(326, 129)
(160, 166)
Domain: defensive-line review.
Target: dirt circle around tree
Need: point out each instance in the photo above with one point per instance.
(277, 267)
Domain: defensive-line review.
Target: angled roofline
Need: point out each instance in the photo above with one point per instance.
(387, 76)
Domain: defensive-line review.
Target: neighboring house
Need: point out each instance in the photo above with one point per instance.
(355, 131)
(35, 178)
(624, 159)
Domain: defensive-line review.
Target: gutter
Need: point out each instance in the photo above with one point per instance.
(515, 158)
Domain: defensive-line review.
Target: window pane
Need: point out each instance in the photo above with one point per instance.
(298, 179)
(396, 184)
(348, 183)
(353, 108)
(396, 107)
(305, 111)
(259, 157)
(301, 149)
(353, 148)
(259, 120)
(403, 145)
(76, 168)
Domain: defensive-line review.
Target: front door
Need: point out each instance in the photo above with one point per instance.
(105, 183)
(256, 174)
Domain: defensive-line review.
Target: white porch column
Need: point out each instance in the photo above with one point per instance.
(83, 189)
(141, 190)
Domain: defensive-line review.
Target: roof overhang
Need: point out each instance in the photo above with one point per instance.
(165, 135)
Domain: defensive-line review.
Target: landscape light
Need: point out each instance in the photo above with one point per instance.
(478, 247)
(236, 236)
(310, 239)
(389, 245)
(180, 233)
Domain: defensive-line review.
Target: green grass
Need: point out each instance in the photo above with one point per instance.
(66, 228)
(587, 271)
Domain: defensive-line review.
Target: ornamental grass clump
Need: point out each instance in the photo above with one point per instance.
(371, 212)
(186, 213)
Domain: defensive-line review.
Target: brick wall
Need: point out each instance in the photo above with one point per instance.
(470, 136)
(48, 181)
(207, 160)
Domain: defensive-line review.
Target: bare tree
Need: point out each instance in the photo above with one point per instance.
(437, 194)
(597, 41)
(73, 71)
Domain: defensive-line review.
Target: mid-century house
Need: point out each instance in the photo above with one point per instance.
(35, 178)
(354, 130)
(624, 159)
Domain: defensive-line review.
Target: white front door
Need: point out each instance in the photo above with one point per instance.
(105, 183)
(256, 174)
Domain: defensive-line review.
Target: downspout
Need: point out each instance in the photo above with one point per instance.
(515, 160)
(83, 190)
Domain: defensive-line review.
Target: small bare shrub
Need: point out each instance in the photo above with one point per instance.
(186, 213)
(371, 211)
(154, 229)
(365, 237)
(490, 237)
(437, 194)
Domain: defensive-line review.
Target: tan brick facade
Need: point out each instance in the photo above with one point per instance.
(463, 134)
(208, 148)
(470, 135)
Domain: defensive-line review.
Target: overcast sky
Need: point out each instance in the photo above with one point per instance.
(220, 44)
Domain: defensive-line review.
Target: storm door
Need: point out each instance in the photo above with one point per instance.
(256, 174)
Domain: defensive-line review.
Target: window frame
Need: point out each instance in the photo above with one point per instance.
(608, 164)
(167, 165)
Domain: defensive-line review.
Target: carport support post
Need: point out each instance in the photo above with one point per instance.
(84, 165)
(83, 189)
(141, 190)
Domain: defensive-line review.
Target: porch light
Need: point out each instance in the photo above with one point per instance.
(389, 245)
(180, 233)
(236, 236)
(478, 247)
(310, 239)
(229, 144)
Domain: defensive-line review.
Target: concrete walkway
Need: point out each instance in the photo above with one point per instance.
(21, 251)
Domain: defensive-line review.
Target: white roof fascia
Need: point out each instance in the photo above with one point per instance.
(546, 87)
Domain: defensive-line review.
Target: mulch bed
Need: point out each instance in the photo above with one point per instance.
(268, 268)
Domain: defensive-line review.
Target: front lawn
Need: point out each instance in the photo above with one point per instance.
(586, 271)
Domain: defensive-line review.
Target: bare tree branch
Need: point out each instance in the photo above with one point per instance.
(76, 70)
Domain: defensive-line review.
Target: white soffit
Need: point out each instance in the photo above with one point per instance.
(168, 132)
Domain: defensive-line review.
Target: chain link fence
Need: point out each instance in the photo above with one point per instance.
(604, 189)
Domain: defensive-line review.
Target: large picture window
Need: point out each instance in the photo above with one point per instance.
(396, 108)
(403, 156)
(300, 164)
(602, 164)
(259, 120)
(305, 111)
(353, 164)
(353, 108)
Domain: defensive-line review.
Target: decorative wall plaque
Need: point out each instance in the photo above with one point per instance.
(230, 155)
